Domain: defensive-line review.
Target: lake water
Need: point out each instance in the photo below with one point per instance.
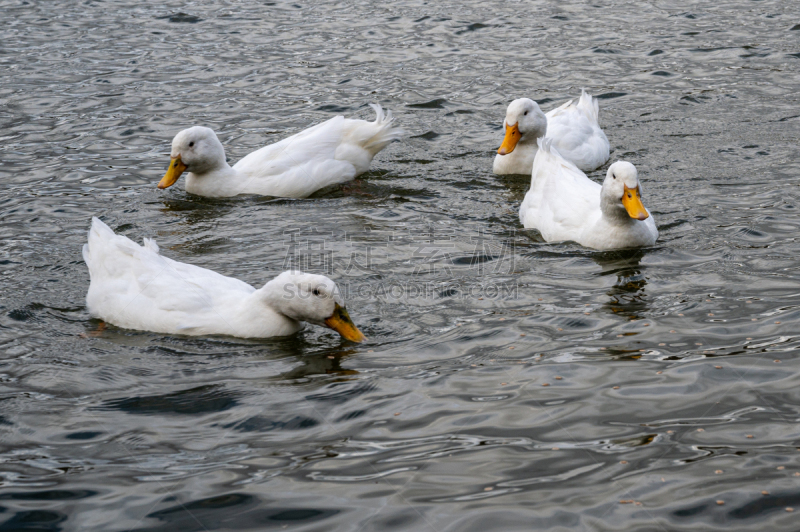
(508, 383)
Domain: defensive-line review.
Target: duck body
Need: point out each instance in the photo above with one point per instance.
(330, 153)
(134, 287)
(573, 129)
(565, 205)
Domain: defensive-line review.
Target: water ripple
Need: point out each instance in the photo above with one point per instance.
(508, 383)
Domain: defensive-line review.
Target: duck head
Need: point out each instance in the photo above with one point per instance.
(196, 149)
(311, 298)
(524, 122)
(622, 191)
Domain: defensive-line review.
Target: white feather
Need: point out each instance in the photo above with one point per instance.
(134, 287)
(564, 204)
(330, 153)
(574, 130)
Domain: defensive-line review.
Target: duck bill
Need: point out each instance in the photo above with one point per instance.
(510, 141)
(340, 322)
(632, 201)
(176, 168)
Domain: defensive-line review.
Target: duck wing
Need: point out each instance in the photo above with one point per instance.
(135, 287)
(562, 200)
(298, 165)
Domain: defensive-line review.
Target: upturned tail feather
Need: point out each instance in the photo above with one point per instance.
(586, 104)
(150, 243)
(386, 133)
(590, 106)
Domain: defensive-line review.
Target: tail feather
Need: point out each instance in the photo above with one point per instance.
(385, 132)
(562, 107)
(590, 106)
(380, 115)
(150, 243)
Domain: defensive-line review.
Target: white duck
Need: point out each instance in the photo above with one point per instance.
(134, 287)
(330, 153)
(564, 204)
(573, 128)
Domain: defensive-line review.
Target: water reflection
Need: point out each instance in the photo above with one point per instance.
(210, 433)
(517, 186)
(328, 362)
(627, 296)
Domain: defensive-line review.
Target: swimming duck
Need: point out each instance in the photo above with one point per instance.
(330, 153)
(573, 128)
(564, 204)
(134, 287)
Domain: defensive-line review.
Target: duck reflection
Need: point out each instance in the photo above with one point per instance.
(517, 186)
(199, 228)
(327, 362)
(627, 296)
(195, 210)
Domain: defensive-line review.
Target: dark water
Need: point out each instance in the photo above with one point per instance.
(508, 384)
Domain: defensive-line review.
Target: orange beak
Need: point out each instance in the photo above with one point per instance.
(510, 141)
(632, 201)
(340, 322)
(176, 168)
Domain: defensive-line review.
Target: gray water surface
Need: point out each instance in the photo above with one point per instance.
(508, 383)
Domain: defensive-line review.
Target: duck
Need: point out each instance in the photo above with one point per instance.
(573, 128)
(564, 204)
(135, 287)
(330, 153)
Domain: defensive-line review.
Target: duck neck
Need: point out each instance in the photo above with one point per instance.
(221, 170)
(538, 129)
(521, 159)
(262, 314)
(213, 181)
(271, 296)
(614, 212)
(529, 139)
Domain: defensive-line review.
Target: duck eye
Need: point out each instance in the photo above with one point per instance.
(612, 175)
(525, 113)
(315, 292)
(191, 144)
